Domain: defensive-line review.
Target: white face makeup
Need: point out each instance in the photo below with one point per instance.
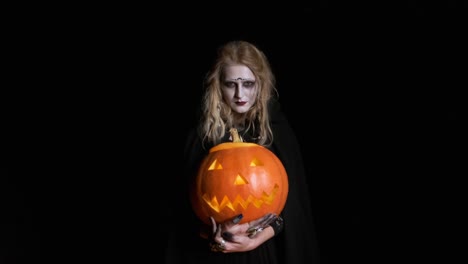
(239, 88)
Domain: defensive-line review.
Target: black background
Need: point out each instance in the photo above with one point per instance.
(374, 97)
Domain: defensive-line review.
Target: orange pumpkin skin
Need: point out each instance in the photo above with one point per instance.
(239, 177)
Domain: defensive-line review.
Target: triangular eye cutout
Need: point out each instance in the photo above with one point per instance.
(215, 166)
(256, 162)
(240, 180)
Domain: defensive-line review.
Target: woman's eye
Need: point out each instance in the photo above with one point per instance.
(230, 84)
(249, 84)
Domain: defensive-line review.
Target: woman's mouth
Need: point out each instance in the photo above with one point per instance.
(241, 103)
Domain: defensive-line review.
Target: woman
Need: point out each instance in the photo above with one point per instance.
(240, 93)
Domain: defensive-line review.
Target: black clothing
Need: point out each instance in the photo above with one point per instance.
(296, 243)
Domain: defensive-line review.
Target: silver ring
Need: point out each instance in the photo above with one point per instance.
(222, 245)
(252, 232)
(218, 247)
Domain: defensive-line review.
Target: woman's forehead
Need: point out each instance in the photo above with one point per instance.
(238, 72)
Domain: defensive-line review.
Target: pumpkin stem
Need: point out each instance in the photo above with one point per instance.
(235, 135)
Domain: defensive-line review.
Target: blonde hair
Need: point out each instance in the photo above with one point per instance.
(217, 116)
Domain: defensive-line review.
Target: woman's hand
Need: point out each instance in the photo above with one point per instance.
(231, 237)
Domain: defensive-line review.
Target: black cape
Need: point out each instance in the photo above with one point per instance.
(296, 243)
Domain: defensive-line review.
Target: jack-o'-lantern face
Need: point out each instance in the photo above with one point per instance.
(239, 178)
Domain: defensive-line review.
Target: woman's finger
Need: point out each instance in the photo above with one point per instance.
(237, 219)
(213, 224)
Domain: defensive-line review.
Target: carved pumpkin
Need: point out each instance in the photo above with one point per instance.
(239, 177)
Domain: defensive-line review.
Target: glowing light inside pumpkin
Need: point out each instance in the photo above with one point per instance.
(215, 166)
(239, 201)
(256, 162)
(240, 180)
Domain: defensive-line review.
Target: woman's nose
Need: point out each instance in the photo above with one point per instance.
(239, 91)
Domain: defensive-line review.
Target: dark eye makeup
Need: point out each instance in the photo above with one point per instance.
(246, 84)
